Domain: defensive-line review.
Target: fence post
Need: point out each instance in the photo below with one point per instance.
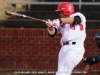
(29, 6)
(80, 1)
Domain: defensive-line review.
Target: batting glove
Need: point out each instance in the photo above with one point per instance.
(56, 22)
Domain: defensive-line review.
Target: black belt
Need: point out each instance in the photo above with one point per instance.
(67, 43)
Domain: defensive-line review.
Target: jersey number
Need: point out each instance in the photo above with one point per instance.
(73, 27)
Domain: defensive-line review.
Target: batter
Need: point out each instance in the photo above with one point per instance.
(71, 26)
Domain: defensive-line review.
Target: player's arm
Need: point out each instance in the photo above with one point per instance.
(52, 31)
(74, 19)
(71, 20)
(52, 27)
(88, 69)
(94, 60)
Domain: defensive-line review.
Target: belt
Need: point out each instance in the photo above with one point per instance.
(69, 43)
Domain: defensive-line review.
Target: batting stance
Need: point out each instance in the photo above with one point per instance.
(71, 26)
(95, 59)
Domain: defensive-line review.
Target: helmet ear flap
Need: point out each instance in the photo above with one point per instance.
(66, 13)
(97, 39)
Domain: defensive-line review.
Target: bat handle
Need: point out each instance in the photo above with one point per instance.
(44, 21)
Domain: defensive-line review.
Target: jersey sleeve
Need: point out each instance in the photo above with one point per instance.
(83, 18)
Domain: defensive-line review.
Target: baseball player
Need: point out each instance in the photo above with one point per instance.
(92, 60)
(72, 27)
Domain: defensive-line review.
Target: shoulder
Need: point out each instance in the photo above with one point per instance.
(78, 13)
(83, 18)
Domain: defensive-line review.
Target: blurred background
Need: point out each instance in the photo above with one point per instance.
(25, 46)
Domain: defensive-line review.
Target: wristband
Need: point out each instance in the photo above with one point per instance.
(50, 26)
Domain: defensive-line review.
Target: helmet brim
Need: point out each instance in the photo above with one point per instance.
(56, 11)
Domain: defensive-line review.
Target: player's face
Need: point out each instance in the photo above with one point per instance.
(61, 14)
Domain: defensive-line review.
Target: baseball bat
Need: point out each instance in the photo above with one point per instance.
(10, 13)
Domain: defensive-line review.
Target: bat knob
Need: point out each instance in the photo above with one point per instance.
(6, 12)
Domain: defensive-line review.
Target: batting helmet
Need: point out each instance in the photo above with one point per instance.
(97, 39)
(66, 7)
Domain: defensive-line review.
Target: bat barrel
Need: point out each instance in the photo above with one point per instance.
(10, 13)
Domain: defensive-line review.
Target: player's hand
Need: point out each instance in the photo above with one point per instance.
(49, 23)
(88, 70)
(56, 22)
